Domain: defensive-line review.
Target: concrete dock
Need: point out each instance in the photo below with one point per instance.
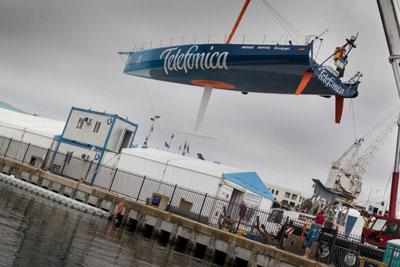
(200, 240)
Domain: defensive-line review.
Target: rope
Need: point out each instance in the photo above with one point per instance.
(354, 119)
(389, 179)
(149, 101)
(384, 119)
(292, 27)
(319, 47)
(382, 197)
(122, 59)
(288, 27)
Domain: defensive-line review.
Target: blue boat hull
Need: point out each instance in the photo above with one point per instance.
(248, 68)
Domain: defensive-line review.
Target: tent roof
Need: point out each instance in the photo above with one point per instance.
(247, 180)
(4, 105)
(250, 181)
(35, 124)
(193, 164)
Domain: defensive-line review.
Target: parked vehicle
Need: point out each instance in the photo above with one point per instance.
(278, 217)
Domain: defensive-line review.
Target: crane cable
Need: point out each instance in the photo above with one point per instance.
(384, 119)
(288, 27)
(148, 100)
(354, 119)
(295, 33)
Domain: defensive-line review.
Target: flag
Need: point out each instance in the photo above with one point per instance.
(200, 156)
(184, 149)
(166, 145)
(172, 136)
(187, 149)
(152, 128)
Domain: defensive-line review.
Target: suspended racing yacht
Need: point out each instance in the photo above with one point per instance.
(258, 68)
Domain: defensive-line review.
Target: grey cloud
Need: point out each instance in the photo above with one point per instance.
(56, 54)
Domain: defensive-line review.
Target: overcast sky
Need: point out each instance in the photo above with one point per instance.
(56, 54)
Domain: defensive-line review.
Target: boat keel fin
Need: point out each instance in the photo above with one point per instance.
(203, 106)
(304, 82)
(338, 108)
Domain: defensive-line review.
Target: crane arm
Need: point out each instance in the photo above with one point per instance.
(374, 147)
(352, 149)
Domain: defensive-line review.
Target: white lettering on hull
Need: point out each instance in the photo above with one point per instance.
(330, 82)
(175, 60)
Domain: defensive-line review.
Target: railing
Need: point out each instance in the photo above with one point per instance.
(332, 248)
(213, 39)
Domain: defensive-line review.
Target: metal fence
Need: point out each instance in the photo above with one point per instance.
(341, 250)
(183, 201)
(333, 248)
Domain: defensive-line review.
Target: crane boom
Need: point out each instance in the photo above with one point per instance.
(346, 172)
(363, 160)
(390, 22)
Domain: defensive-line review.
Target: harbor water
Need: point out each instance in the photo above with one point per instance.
(35, 231)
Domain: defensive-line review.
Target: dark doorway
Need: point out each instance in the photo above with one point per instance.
(127, 135)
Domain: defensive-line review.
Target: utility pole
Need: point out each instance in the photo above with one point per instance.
(153, 119)
(390, 21)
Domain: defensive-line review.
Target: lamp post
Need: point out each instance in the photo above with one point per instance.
(153, 119)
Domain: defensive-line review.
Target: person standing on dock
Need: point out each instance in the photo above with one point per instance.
(118, 214)
(320, 219)
(263, 232)
(288, 231)
(311, 237)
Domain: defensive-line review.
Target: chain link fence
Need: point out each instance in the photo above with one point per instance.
(331, 248)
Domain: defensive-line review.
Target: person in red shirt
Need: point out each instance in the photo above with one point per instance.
(320, 219)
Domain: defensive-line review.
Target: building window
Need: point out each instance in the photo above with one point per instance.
(272, 191)
(294, 197)
(80, 123)
(96, 127)
(276, 192)
(287, 195)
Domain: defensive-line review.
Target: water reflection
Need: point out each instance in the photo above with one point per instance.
(35, 231)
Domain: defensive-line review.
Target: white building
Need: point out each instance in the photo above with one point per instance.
(28, 128)
(85, 139)
(286, 196)
(89, 134)
(98, 137)
(376, 207)
(229, 183)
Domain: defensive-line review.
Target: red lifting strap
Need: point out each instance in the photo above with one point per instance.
(246, 4)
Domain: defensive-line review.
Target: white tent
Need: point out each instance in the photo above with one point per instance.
(195, 174)
(28, 128)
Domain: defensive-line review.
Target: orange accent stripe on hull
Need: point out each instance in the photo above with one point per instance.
(304, 82)
(213, 84)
